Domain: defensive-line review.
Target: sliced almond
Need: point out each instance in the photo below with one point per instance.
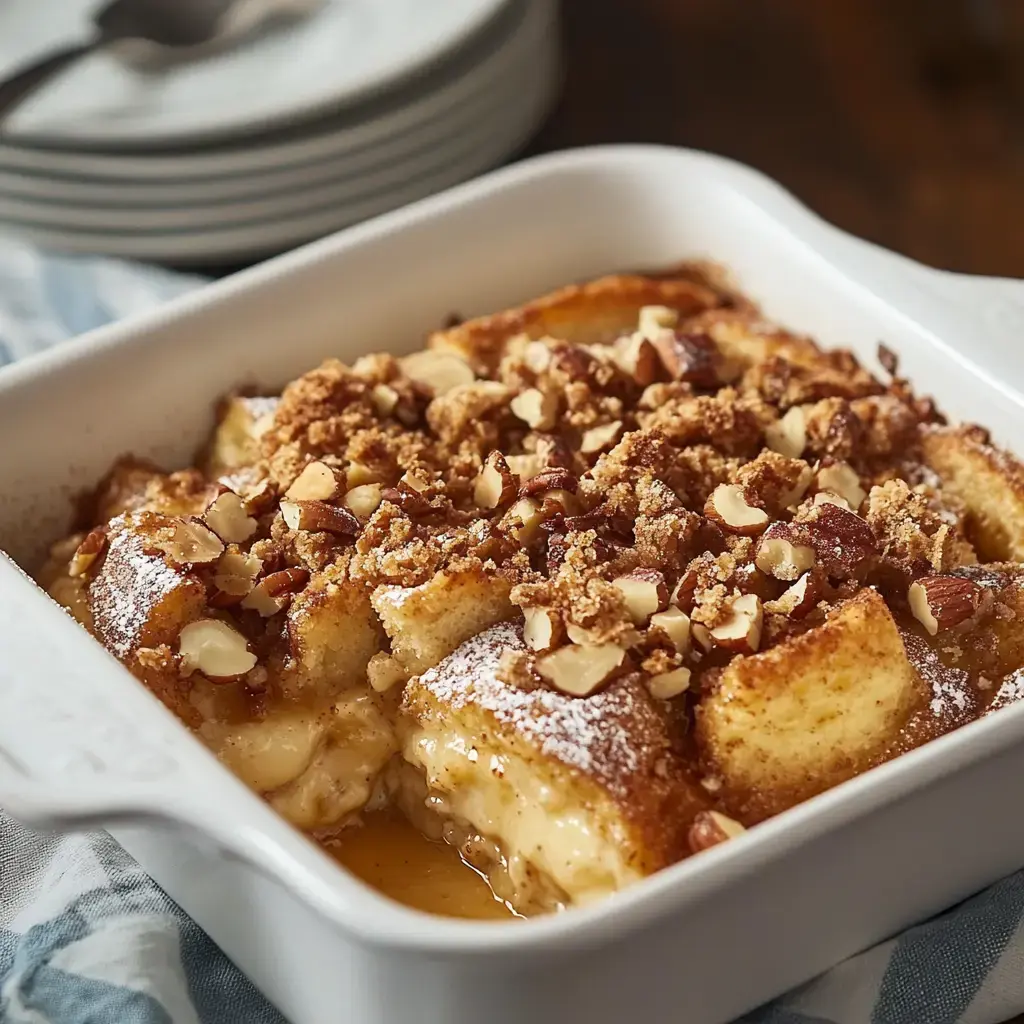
(542, 629)
(439, 371)
(537, 409)
(675, 624)
(842, 479)
(740, 630)
(782, 554)
(702, 635)
(274, 592)
(728, 507)
(579, 670)
(215, 649)
(364, 500)
(226, 515)
(596, 438)
(93, 545)
(316, 517)
(788, 435)
(414, 481)
(317, 482)
(710, 828)
(384, 398)
(193, 543)
(260, 499)
(496, 485)
(670, 684)
(645, 593)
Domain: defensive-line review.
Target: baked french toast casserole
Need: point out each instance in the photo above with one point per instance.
(576, 591)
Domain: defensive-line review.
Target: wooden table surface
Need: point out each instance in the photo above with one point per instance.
(900, 120)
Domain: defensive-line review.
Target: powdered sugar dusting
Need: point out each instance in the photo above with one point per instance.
(125, 590)
(1010, 690)
(609, 735)
(952, 698)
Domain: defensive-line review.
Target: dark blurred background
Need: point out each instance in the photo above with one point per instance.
(899, 120)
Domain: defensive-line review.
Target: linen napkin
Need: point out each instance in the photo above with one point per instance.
(86, 936)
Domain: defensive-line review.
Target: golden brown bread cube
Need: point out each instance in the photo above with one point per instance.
(333, 632)
(580, 796)
(989, 483)
(426, 623)
(783, 725)
(592, 313)
(236, 440)
(134, 486)
(138, 599)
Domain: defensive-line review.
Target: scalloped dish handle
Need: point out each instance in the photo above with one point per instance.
(72, 757)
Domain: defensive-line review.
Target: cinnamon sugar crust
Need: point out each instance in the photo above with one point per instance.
(677, 520)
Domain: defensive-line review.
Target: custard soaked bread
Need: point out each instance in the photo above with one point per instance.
(582, 587)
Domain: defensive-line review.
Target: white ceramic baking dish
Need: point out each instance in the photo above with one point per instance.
(83, 744)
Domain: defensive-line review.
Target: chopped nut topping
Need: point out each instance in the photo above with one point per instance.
(554, 479)
(227, 517)
(654, 319)
(667, 685)
(274, 592)
(711, 828)
(941, 602)
(439, 371)
(675, 624)
(596, 438)
(728, 507)
(579, 670)
(364, 500)
(92, 546)
(543, 629)
(192, 542)
(782, 554)
(645, 593)
(802, 597)
(234, 577)
(385, 399)
(317, 482)
(740, 630)
(317, 517)
(788, 436)
(215, 649)
(496, 484)
(693, 358)
(535, 408)
(524, 520)
(637, 358)
(841, 479)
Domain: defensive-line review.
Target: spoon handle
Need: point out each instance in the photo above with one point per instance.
(16, 88)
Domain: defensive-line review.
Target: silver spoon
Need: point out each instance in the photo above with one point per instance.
(173, 29)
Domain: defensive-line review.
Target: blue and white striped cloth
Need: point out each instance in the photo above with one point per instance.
(85, 936)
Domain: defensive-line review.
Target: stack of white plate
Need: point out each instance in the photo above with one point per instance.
(363, 106)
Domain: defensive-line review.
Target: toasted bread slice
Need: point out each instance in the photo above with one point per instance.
(780, 726)
(592, 313)
(989, 483)
(585, 794)
(426, 623)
